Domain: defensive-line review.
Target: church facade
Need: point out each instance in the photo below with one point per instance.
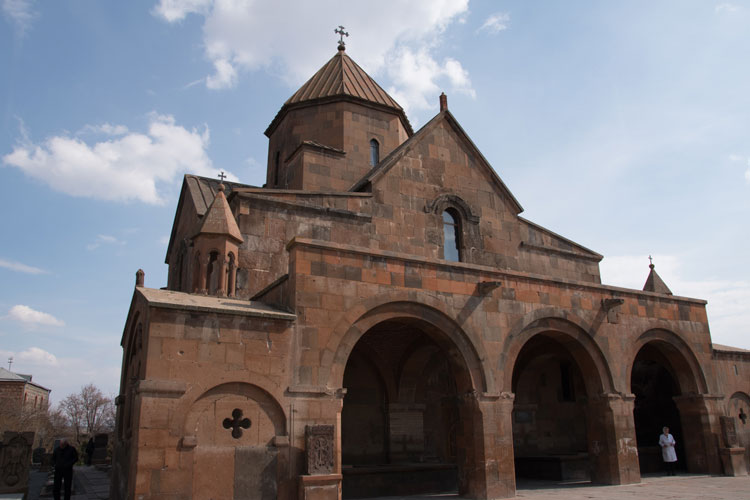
(378, 319)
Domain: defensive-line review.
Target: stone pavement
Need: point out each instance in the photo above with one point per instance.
(92, 483)
(89, 483)
(681, 487)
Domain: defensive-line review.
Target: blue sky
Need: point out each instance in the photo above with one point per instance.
(624, 126)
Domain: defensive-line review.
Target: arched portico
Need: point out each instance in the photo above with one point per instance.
(671, 390)
(568, 421)
(416, 396)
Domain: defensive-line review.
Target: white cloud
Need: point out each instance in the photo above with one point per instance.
(415, 74)
(225, 76)
(20, 12)
(130, 166)
(727, 309)
(104, 239)
(727, 8)
(496, 23)
(36, 356)
(21, 268)
(31, 317)
(243, 36)
(177, 10)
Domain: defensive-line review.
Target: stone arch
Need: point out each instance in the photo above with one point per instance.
(568, 329)
(741, 397)
(680, 357)
(463, 349)
(267, 402)
(445, 201)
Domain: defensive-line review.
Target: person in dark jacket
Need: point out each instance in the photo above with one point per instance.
(90, 447)
(63, 458)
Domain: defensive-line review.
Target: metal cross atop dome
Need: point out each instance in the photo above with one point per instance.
(222, 176)
(340, 31)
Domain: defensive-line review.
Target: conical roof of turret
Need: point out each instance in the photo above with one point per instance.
(655, 284)
(340, 79)
(219, 218)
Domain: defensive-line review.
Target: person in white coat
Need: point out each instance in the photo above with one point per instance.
(668, 454)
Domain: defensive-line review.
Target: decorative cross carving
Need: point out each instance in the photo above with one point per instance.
(222, 176)
(340, 31)
(236, 423)
(743, 416)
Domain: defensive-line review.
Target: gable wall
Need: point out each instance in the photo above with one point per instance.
(442, 164)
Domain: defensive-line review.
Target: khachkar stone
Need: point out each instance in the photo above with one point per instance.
(729, 432)
(15, 459)
(319, 449)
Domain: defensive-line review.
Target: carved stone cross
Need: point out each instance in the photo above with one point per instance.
(236, 423)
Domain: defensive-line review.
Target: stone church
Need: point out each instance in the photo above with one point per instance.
(378, 319)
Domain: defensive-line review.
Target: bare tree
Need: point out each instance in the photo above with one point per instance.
(88, 411)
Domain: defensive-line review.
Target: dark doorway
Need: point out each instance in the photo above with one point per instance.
(549, 413)
(399, 422)
(654, 385)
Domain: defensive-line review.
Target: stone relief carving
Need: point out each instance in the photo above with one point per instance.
(319, 449)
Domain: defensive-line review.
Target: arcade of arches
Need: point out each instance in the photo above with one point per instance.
(382, 320)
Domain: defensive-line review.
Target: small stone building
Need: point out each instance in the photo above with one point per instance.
(379, 319)
(18, 393)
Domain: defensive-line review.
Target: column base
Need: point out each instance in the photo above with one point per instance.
(733, 460)
(320, 487)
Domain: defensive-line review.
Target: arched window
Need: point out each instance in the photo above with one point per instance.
(374, 152)
(451, 236)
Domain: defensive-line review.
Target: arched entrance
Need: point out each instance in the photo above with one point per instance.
(400, 431)
(550, 420)
(665, 379)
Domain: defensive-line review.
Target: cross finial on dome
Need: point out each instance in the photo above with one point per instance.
(650, 262)
(221, 177)
(340, 31)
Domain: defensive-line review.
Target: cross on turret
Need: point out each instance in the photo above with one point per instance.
(340, 31)
(222, 176)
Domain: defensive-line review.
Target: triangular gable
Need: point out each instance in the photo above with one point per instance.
(444, 116)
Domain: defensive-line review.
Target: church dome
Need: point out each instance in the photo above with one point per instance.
(340, 79)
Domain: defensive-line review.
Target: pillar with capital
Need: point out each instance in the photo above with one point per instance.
(486, 468)
(699, 416)
(613, 450)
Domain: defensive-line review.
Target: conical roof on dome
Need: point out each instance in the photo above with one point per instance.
(340, 77)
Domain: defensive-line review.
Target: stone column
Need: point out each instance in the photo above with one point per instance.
(221, 286)
(202, 269)
(613, 451)
(486, 468)
(232, 279)
(701, 430)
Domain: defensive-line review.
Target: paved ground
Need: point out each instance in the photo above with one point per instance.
(90, 483)
(93, 484)
(684, 487)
